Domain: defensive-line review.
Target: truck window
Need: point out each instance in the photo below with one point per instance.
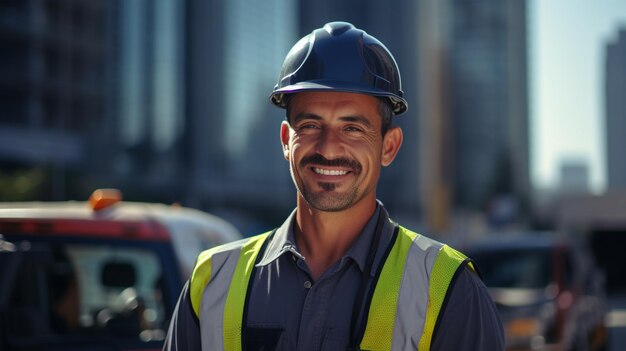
(86, 291)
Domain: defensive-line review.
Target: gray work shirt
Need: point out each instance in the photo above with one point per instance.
(288, 310)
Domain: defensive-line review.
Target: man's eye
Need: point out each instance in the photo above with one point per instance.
(308, 126)
(353, 129)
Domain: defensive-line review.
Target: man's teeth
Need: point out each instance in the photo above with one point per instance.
(332, 172)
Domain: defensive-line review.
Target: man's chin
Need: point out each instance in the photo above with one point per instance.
(330, 202)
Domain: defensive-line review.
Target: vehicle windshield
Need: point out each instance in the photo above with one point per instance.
(515, 268)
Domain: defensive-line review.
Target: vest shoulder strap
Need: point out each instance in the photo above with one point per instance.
(378, 333)
(238, 291)
(202, 271)
(379, 330)
(447, 266)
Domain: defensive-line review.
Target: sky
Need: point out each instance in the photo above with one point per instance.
(566, 52)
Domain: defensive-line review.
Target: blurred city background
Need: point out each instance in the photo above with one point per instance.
(516, 121)
(168, 101)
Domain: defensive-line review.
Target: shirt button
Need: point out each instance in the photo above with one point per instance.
(307, 284)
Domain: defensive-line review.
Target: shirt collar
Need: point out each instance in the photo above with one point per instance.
(284, 241)
(360, 249)
(281, 242)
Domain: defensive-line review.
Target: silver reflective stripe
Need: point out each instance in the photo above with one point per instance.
(413, 295)
(223, 265)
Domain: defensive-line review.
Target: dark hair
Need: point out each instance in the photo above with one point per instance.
(384, 111)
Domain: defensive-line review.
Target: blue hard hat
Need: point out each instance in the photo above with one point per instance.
(340, 57)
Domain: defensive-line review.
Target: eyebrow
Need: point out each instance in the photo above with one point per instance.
(302, 116)
(356, 119)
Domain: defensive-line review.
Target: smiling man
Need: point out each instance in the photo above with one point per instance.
(338, 274)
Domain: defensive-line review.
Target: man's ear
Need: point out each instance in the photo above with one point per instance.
(284, 138)
(391, 145)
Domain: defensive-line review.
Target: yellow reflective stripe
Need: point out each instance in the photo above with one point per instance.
(447, 262)
(382, 314)
(199, 279)
(236, 299)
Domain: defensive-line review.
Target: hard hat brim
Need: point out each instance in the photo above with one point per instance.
(279, 96)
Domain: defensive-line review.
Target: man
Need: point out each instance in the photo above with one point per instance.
(338, 274)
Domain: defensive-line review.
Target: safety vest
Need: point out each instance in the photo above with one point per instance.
(404, 308)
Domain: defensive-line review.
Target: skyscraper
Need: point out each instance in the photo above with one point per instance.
(53, 91)
(473, 109)
(193, 115)
(488, 102)
(615, 111)
(146, 120)
(234, 50)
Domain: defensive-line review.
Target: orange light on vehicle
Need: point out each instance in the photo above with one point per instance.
(104, 198)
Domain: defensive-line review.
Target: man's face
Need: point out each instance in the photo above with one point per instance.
(334, 145)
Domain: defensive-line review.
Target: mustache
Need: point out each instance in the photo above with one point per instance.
(320, 160)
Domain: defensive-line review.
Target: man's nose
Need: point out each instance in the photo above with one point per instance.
(330, 144)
